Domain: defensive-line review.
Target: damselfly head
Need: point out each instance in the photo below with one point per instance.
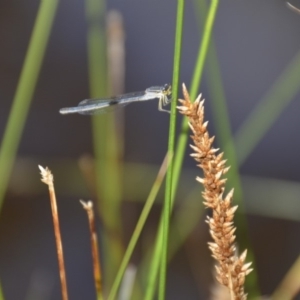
(167, 89)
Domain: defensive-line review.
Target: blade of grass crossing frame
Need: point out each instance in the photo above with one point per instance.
(88, 207)
(196, 80)
(24, 92)
(174, 245)
(171, 148)
(105, 143)
(139, 226)
(268, 110)
(289, 287)
(180, 150)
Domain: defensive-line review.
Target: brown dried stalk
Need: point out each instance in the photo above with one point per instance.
(88, 206)
(47, 178)
(231, 269)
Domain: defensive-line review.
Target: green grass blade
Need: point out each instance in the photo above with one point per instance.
(268, 110)
(95, 15)
(185, 220)
(171, 148)
(289, 286)
(196, 80)
(155, 263)
(25, 90)
(174, 245)
(1, 294)
(138, 229)
(152, 274)
(104, 138)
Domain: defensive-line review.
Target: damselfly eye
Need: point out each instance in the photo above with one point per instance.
(167, 89)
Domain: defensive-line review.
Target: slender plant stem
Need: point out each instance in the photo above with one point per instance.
(289, 287)
(25, 90)
(47, 178)
(155, 262)
(196, 80)
(138, 229)
(171, 148)
(185, 220)
(24, 93)
(268, 110)
(174, 245)
(180, 150)
(105, 143)
(88, 207)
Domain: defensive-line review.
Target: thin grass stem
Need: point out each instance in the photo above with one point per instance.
(180, 150)
(171, 148)
(185, 220)
(196, 80)
(268, 110)
(139, 226)
(177, 166)
(173, 247)
(289, 288)
(126, 288)
(88, 207)
(151, 282)
(47, 178)
(105, 141)
(25, 90)
(1, 294)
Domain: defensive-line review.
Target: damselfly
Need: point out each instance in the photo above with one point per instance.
(98, 106)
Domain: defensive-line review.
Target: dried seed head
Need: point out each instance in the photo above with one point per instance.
(231, 270)
(47, 176)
